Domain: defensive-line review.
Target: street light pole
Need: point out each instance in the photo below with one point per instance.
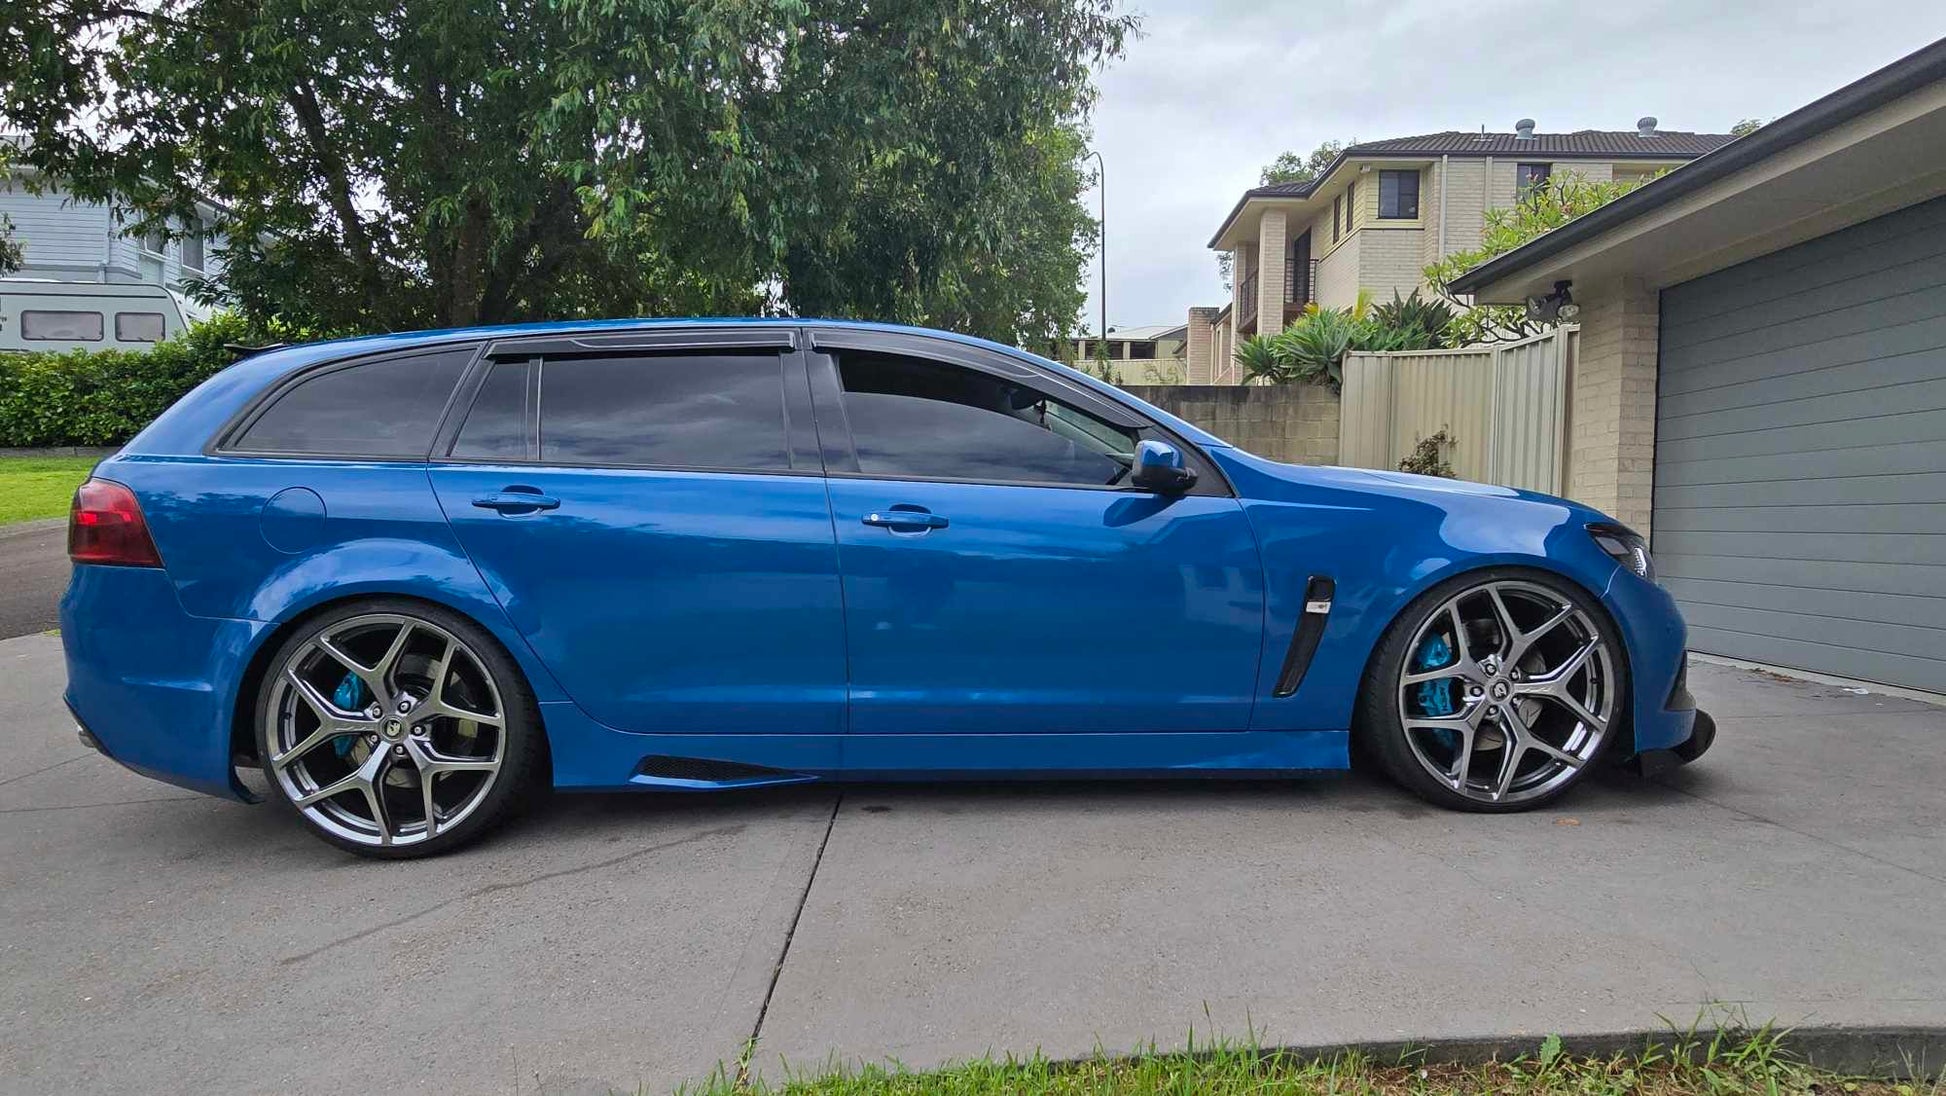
(1101, 193)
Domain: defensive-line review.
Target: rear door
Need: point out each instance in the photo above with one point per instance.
(1000, 575)
(651, 512)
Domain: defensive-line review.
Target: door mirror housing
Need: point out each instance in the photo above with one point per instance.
(1159, 467)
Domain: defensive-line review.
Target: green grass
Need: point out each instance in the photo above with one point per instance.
(1754, 1062)
(39, 487)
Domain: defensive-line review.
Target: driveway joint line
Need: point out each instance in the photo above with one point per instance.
(742, 1082)
(494, 888)
(1839, 845)
(44, 769)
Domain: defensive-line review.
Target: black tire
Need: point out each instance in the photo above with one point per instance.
(525, 769)
(1379, 733)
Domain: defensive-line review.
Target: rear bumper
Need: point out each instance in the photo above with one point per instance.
(153, 686)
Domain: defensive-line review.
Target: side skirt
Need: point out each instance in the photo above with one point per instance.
(590, 756)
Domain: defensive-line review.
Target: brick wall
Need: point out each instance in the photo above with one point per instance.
(1201, 345)
(1611, 419)
(1296, 423)
(1338, 273)
(1388, 260)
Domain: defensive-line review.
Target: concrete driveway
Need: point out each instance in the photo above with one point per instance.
(155, 941)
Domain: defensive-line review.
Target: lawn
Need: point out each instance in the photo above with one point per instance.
(1750, 1062)
(39, 487)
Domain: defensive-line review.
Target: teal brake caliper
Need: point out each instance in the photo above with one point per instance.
(348, 696)
(1439, 698)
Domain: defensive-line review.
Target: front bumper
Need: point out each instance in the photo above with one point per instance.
(1663, 713)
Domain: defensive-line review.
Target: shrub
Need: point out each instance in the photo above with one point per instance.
(1315, 346)
(103, 397)
(1260, 359)
(1415, 322)
(1428, 458)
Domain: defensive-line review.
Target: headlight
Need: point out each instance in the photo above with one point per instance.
(1628, 547)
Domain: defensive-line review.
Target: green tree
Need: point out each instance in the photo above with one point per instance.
(401, 163)
(1288, 167)
(1545, 206)
(11, 258)
(1746, 127)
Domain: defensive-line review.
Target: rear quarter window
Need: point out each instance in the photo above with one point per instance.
(380, 408)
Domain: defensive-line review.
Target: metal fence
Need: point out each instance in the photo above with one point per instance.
(1505, 406)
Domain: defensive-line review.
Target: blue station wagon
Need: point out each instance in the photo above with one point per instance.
(414, 578)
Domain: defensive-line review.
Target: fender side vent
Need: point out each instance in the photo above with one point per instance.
(1310, 629)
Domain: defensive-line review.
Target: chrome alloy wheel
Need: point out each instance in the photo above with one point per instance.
(385, 729)
(1508, 691)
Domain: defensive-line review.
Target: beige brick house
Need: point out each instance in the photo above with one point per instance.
(1383, 210)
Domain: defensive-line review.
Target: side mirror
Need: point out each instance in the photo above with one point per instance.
(1159, 467)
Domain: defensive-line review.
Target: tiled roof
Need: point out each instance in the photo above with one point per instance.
(1674, 144)
(1582, 142)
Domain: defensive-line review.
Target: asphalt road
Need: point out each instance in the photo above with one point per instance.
(34, 563)
(159, 942)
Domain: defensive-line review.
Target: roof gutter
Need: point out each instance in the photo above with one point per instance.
(1894, 81)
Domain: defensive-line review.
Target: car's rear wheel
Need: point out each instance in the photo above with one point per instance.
(1495, 691)
(397, 729)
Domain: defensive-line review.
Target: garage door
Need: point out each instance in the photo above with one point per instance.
(1800, 480)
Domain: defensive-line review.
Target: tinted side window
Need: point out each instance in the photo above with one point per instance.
(911, 417)
(388, 407)
(665, 410)
(499, 426)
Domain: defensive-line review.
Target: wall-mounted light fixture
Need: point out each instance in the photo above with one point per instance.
(1555, 307)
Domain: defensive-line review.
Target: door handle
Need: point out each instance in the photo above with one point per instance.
(905, 520)
(514, 501)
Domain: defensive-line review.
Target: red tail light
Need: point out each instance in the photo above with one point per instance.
(105, 526)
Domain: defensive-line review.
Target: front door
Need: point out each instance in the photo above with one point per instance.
(1001, 577)
(658, 536)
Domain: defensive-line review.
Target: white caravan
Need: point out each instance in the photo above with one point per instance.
(51, 315)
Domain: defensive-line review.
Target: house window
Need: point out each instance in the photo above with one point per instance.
(1351, 205)
(1141, 351)
(1398, 195)
(1527, 176)
(1337, 217)
(192, 249)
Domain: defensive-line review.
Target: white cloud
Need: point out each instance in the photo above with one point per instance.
(1216, 89)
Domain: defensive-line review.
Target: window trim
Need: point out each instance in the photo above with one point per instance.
(119, 337)
(101, 318)
(222, 443)
(1398, 174)
(841, 450)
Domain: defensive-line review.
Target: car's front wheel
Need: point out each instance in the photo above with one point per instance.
(397, 729)
(1495, 691)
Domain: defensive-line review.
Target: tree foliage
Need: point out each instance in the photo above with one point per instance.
(1288, 167)
(1291, 167)
(1542, 207)
(387, 164)
(1746, 127)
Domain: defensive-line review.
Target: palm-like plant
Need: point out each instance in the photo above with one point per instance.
(1259, 359)
(1315, 345)
(1432, 318)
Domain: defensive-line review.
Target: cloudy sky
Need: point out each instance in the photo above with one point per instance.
(1215, 89)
